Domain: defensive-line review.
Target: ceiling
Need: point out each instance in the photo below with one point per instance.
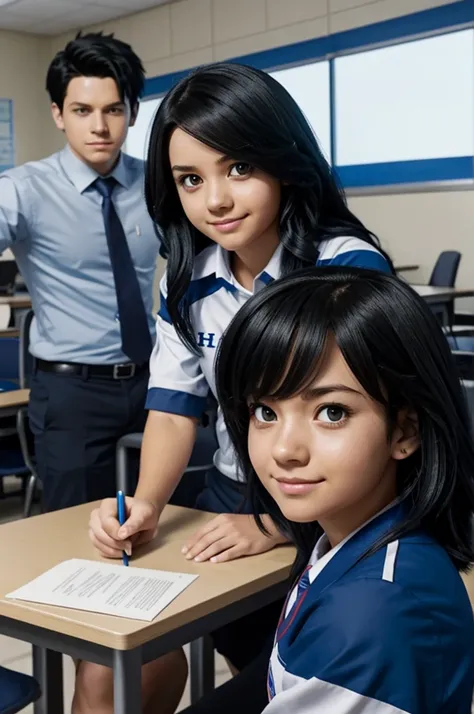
(51, 17)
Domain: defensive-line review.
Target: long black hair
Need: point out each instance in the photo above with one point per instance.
(399, 354)
(243, 113)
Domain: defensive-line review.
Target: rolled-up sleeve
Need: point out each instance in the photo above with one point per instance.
(177, 384)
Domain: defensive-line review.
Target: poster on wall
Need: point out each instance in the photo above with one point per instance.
(7, 141)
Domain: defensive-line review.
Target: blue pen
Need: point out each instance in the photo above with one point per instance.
(122, 518)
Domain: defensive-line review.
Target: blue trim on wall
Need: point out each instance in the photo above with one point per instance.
(393, 172)
(155, 86)
(332, 112)
(438, 18)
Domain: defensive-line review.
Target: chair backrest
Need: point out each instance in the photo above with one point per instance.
(9, 351)
(16, 691)
(446, 268)
(465, 364)
(26, 359)
(8, 273)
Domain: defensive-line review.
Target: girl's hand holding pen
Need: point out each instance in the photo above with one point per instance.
(110, 538)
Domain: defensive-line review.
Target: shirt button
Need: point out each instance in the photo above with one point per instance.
(117, 317)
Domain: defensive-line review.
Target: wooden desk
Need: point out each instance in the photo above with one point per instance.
(437, 295)
(11, 402)
(16, 302)
(9, 332)
(222, 593)
(406, 268)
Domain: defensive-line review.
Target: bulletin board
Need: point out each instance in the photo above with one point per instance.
(7, 139)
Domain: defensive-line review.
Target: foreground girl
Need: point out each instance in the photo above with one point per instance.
(342, 400)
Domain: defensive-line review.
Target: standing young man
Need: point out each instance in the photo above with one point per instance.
(86, 247)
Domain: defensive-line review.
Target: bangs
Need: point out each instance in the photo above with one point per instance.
(281, 349)
(290, 365)
(279, 341)
(228, 109)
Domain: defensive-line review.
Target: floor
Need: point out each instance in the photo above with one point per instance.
(17, 655)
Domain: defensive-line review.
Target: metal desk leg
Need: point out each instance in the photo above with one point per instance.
(202, 668)
(48, 670)
(127, 682)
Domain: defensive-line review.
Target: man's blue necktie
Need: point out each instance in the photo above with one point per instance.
(136, 339)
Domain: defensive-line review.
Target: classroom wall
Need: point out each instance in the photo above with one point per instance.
(416, 227)
(23, 62)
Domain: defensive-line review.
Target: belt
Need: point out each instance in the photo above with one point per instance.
(104, 371)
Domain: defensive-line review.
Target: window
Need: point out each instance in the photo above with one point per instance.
(309, 87)
(139, 135)
(408, 102)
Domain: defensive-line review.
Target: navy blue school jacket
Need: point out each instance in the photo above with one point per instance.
(392, 633)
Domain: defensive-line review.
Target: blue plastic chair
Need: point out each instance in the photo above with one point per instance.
(444, 276)
(9, 363)
(16, 691)
(12, 462)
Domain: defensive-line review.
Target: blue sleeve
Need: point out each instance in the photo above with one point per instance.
(371, 259)
(368, 647)
(177, 384)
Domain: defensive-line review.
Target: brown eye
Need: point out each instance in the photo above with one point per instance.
(191, 180)
(240, 169)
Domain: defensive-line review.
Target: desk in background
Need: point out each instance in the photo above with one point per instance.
(9, 332)
(222, 593)
(437, 295)
(12, 401)
(16, 302)
(406, 268)
(19, 305)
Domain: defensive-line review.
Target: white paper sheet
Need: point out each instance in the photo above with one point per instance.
(135, 593)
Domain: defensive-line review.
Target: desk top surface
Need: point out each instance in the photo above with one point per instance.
(14, 398)
(31, 546)
(16, 301)
(9, 332)
(429, 291)
(406, 267)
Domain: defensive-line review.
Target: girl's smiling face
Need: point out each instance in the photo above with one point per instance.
(327, 454)
(227, 200)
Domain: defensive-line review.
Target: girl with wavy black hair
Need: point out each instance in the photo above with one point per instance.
(242, 194)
